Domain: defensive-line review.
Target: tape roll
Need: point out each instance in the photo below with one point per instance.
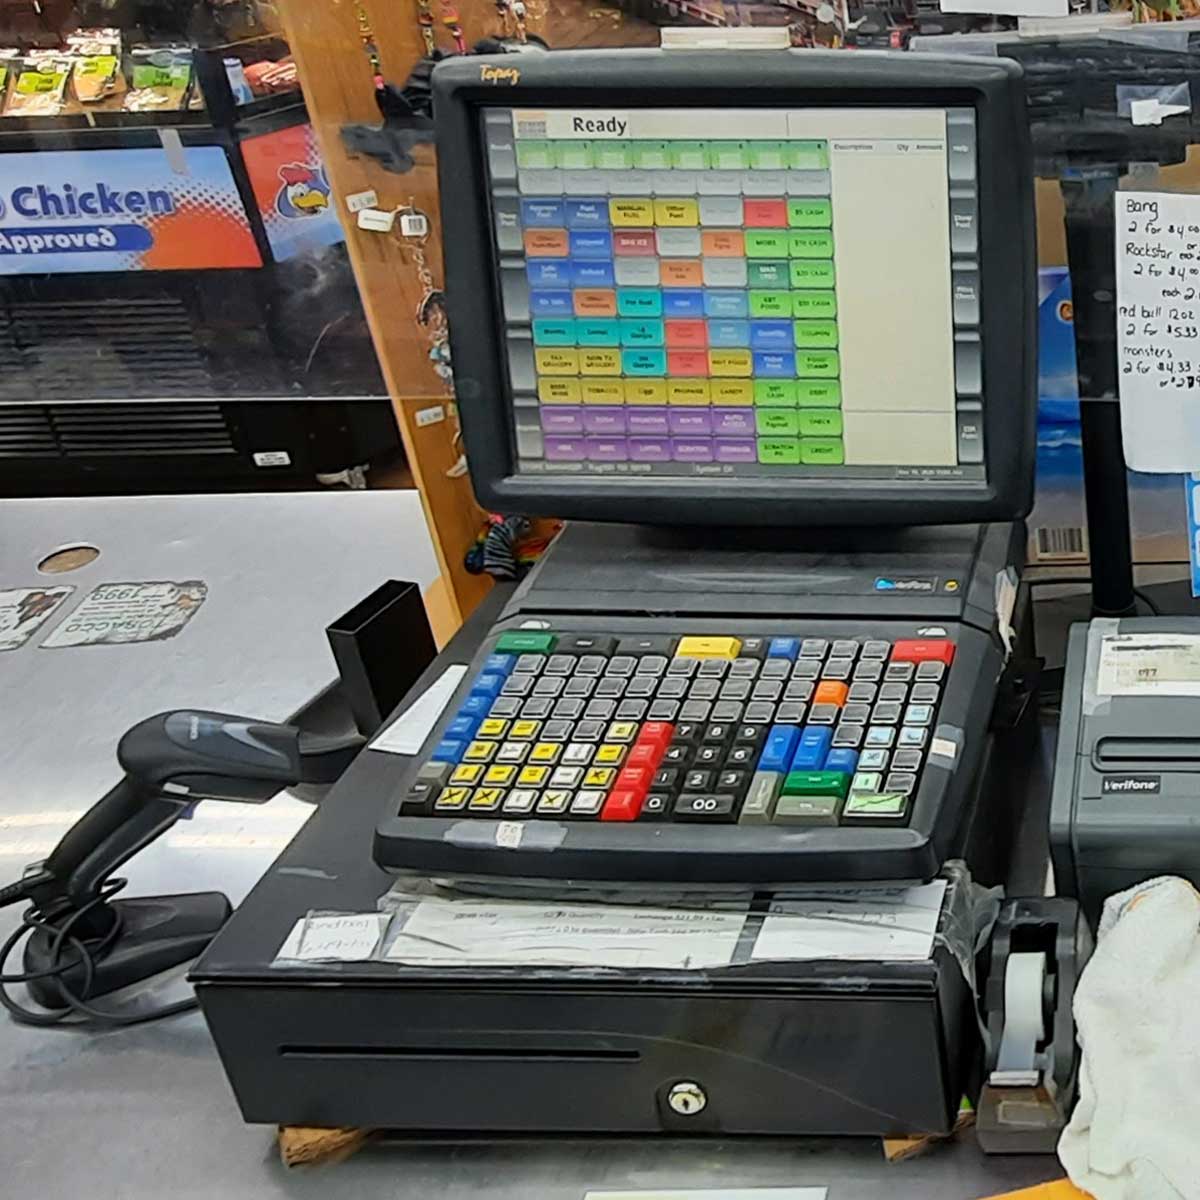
(1024, 1019)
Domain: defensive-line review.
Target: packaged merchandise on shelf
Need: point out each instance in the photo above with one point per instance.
(40, 85)
(267, 77)
(161, 77)
(97, 54)
(8, 57)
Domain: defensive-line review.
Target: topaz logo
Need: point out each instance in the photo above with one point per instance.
(3, 209)
(1148, 784)
(886, 583)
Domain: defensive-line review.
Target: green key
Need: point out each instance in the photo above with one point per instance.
(817, 364)
(815, 335)
(728, 156)
(875, 804)
(820, 422)
(535, 154)
(807, 810)
(810, 245)
(814, 273)
(808, 156)
(810, 214)
(778, 393)
(519, 641)
(811, 393)
(768, 272)
(612, 156)
(768, 156)
(822, 452)
(573, 156)
(652, 156)
(779, 451)
(771, 243)
(777, 422)
(689, 156)
(770, 304)
(816, 783)
(814, 304)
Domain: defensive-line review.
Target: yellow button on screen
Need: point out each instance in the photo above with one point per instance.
(676, 212)
(466, 773)
(687, 391)
(558, 391)
(556, 362)
(602, 391)
(630, 214)
(532, 776)
(645, 391)
(501, 776)
(595, 362)
(708, 647)
(732, 391)
(730, 362)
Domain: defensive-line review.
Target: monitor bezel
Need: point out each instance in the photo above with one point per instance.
(665, 79)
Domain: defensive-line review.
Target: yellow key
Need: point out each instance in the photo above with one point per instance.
(532, 776)
(453, 797)
(480, 751)
(610, 755)
(501, 776)
(622, 731)
(466, 773)
(487, 798)
(554, 802)
(599, 777)
(493, 727)
(708, 647)
(524, 731)
(545, 752)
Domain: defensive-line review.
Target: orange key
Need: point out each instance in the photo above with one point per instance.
(830, 691)
(722, 243)
(546, 243)
(681, 272)
(599, 303)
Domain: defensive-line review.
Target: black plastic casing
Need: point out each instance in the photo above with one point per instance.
(680, 79)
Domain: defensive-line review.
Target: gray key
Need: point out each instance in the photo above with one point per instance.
(591, 664)
(798, 689)
(918, 714)
(570, 709)
(704, 689)
(744, 668)
(651, 664)
(631, 710)
(505, 706)
(806, 668)
(663, 710)
(907, 760)
(727, 711)
(599, 710)
(900, 781)
(433, 772)
(824, 714)
(608, 688)
(876, 650)
(621, 664)
(898, 672)
(695, 710)
(838, 668)
(767, 689)
(587, 802)
(530, 664)
(736, 689)
(807, 810)
(776, 668)
(539, 707)
(518, 685)
(868, 670)
(886, 713)
(791, 712)
(672, 688)
(893, 691)
(641, 687)
(589, 731)
(560, 664)
(930, 672)
(759, 712)
(856, 714)
(683, 666)
(881, 736)
(813, 648)
(848, 733)
(844, 648)
(873, 760)
(759, 805)
(549, 685)
(556, 731)
(714, 668)
(925, 693)
(913, 735)
(861, 693)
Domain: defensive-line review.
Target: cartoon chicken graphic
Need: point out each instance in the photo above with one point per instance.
(305, 191)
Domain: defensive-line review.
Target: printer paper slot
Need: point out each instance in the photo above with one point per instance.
(1137, 753)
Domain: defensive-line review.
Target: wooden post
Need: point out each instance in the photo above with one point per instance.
(326, 39)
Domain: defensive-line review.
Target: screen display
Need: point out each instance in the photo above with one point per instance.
(745, 292)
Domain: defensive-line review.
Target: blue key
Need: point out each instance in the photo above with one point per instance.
(548, 272)
(812, 749)
(843, 759)
(462, 727)
(767, 335)
(784, 648)
(683, 302)
(488, 685)
(448, 750)
(779, 748)
(500, 664)
(475, 706)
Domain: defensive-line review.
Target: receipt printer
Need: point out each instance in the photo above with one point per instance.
(1126, 800)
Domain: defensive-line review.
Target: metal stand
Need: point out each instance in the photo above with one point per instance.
(1091, 257)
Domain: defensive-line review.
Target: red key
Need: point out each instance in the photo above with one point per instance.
(623, 804)
(635, 777)
(644, 754)
(658, 732)
(916, 650)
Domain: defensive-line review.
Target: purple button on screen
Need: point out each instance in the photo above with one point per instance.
(692, 449)
(735, 450)
(565, 449)
(601, 449)
(562, 420)
(647, 420)
(604, 420)
(733, 422)
(694, 421)
(649, 449)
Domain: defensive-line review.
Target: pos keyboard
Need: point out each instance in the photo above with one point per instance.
(632, 747)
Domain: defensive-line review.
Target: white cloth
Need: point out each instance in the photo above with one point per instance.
(1133, 1135)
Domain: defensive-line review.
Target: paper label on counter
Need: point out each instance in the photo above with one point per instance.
(516, 933)
(863, 922)
(1149, 664)
(407, 733)
(116, 614)
(334, 937)
(24, 610)
(1158, 329)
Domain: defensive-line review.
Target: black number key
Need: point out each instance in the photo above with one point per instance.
(698, 781)
(699, 806)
